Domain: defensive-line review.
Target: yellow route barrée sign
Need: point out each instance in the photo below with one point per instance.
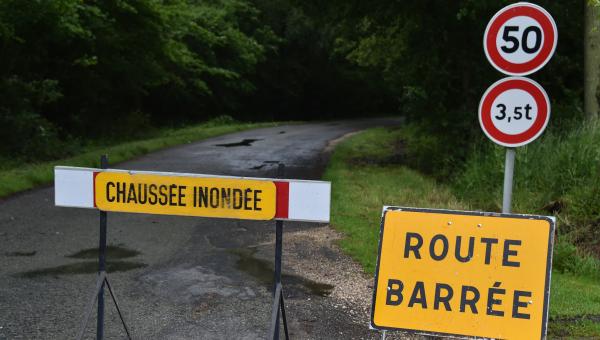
(463, 273)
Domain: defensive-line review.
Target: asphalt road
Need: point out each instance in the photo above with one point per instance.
(175, 277)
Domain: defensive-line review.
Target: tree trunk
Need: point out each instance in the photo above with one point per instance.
(591, 58)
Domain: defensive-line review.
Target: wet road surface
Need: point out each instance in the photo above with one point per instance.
(175, 277)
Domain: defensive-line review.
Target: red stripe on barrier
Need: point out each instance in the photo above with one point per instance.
(94, 187)
(283, 194)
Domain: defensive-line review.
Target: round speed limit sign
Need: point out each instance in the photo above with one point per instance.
(520, 39)
(514, 111)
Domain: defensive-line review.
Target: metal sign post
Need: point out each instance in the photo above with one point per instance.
(278, 303)
(513, 112)
(519, 40)
(102, 280)
(509, 169)
(101, 262)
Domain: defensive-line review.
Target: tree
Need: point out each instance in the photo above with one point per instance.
(592, 58)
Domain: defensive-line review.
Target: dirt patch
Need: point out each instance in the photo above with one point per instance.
(563, 327)
(334, 142)
(575, 318)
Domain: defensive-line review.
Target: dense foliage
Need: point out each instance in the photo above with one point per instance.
(74, 70)
(430, 54)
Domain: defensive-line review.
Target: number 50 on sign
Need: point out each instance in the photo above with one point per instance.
(520, 39)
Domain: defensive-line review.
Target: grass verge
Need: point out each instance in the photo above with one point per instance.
(28, 176)
(366, 174)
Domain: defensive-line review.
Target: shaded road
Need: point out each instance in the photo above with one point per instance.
(177, 277)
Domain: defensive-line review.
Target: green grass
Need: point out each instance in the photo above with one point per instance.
(574, 306)
(366, 174)
(559, 173)
(27, 176)
(364, 179)
(574, 296)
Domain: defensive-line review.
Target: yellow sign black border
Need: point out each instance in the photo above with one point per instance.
(471, 213)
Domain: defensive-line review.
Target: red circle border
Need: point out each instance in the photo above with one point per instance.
(546, 51)
(541, 120)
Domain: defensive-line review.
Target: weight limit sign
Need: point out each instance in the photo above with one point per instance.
(520, 39)
(514, 111)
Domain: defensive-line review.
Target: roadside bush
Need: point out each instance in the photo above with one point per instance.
(30, 137)
(558, 174)
(220, 120)
(567, 259)
(24, 133)
(434, 154)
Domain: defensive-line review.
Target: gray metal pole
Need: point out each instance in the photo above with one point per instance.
(278, 252)
(509, 169)
(101, 262)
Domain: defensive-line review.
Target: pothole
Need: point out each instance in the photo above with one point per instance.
(245, 142)
(262, 271)
(265, 163)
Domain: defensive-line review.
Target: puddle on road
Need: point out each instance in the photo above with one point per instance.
(21, 253)
(88, 267)
(245, 142)
(263, 271)
(112, 252)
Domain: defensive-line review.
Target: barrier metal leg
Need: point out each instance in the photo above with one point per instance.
(101, 262)
(114, 298)
(278, 300)
(278, 254)
(102, 280)
(278, 305)
(99, 284)
(285, 327)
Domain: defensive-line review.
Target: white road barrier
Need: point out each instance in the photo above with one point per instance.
(187, 194)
